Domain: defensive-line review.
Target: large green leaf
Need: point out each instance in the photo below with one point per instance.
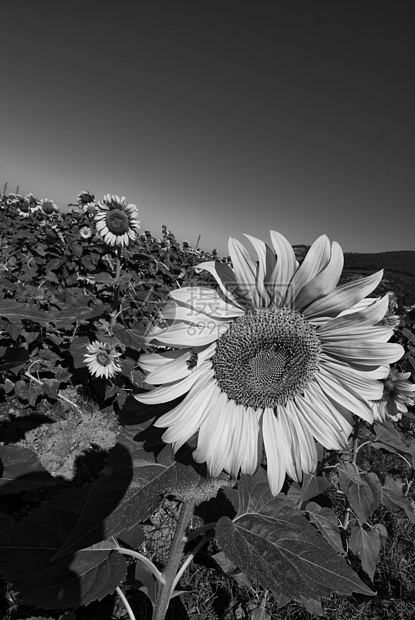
(273, 542)
(15, 311)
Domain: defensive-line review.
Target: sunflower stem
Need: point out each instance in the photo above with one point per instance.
(126, 603)
(115, 303)
(164, 592)
(353, 461)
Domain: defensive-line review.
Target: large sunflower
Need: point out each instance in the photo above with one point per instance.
(117, 222)
(278, 358)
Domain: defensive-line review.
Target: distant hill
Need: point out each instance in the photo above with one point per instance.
(399, 271)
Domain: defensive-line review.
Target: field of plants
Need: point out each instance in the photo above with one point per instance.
(106, 514)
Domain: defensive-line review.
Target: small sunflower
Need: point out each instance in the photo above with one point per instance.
(31, 201)
(398, 392)
(278, 357)
(24, 209)
(85, 232)
(85, 197)
(90, 208)
(117, 222)
(101, 360)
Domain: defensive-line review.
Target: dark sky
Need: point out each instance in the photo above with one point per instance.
(218, 117)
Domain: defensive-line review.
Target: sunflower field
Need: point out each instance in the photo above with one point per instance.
(184, 435)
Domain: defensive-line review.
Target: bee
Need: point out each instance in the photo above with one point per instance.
(192, 361)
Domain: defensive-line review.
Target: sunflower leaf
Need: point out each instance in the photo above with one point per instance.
(327, 523)
(388, 437)
(130, 487)
(366, 545)
(58, 557)
(13, 357)
(28, 558)
(23, 471)
(15, 311)
(272, 542)
(394, 498)
(312, 486)
(357, 491)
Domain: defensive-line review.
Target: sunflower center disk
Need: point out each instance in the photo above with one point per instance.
(103, 358)
(266, 358)
(117, 222)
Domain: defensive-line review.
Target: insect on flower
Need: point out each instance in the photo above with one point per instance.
(192, 361)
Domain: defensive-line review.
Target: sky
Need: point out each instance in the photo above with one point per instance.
(218, 118)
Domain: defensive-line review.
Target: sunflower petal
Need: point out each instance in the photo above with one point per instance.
(315, 261)
(245, 271)
(345, 397)
(206, 301)
(364, 353)
(276, 450)
(284, 270)
(324, 281)
(227, 281)
(343, 297)
(172, 391)
(369, 315)
(178, 369)
(266, 265)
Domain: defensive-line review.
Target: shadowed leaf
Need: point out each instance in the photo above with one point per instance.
(130, 487)
(28, 561)
(393, 498)
(312, 486)
(23, 471)
(231, 570)
(13, 357)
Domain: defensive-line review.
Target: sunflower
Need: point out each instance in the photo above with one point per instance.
(101, 360)
(398, 392)
(85, 232)
(85, 197)
(90, 209)
(117, 221)
(47, 207)
(31, 201)
(279, 357)
(24, 210)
